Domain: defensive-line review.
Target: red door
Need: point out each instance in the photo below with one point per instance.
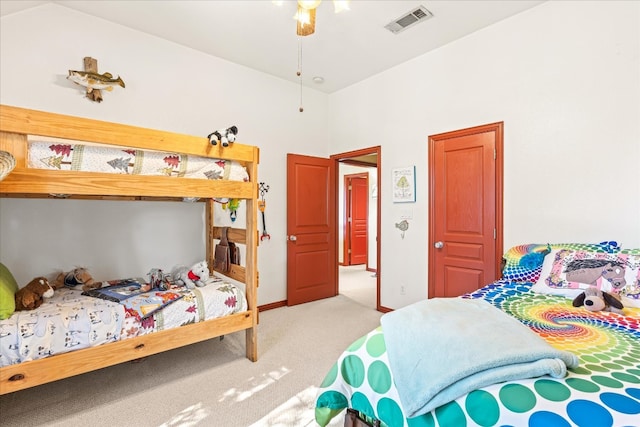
(357, 224)
(312, 264)
(465, 221)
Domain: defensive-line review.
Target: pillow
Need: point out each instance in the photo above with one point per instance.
(524, 263)
(8, 289)
(568, 273)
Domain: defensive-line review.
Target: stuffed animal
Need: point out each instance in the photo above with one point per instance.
(594, 299)
(191, 277)
(77, 276)
(223, 136)
(33, 294)
(158, 279)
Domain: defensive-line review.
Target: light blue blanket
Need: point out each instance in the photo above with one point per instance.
(443, 348)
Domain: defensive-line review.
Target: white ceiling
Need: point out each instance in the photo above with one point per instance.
(346, 47)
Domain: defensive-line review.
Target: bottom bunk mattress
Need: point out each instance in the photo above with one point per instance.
(71, 321)
(603, 390)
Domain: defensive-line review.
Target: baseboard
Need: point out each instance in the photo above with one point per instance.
(272, 305)
(279, 304)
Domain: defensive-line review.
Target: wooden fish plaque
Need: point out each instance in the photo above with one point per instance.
(93, 81)
(91, 65)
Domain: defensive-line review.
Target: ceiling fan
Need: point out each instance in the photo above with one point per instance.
(306, 14)
(306, 25)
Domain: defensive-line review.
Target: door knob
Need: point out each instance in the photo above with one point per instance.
(439, 245)
(293, 238)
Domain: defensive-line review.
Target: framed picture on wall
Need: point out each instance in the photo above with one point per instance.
(404, 184)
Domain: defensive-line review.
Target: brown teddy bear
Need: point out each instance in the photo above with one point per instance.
(31, 296)
(77, 276)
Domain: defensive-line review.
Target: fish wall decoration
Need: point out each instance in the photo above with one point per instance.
(93, 81)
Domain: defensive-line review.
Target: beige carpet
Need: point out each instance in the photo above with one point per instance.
(210, 383)
(358, 284)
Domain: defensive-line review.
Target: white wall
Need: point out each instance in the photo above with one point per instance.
(168, 87)
(564, 78)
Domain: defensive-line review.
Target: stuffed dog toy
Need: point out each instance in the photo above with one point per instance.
(594, 299)
(223, 136)
(77, 276)
(31, 296)
(191, 277)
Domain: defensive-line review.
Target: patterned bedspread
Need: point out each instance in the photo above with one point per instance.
(56, 155)
(216, 299)
(66, 322)
(604, 390)
(71, 321)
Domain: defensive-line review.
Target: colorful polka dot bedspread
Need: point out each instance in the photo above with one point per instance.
(604, 390)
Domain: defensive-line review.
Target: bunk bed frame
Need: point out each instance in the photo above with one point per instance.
(17, 123)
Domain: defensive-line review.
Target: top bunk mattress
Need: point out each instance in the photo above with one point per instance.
(55, 154)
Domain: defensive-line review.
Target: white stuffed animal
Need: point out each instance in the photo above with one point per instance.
(191, 277)
(223, 136)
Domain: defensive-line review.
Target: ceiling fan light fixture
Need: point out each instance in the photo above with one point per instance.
(302, 16)
(340, 5)
(306, 21)
(309, 4)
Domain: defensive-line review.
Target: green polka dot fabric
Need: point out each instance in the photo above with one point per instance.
(604, 390)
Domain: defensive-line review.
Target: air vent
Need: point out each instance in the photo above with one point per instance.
(408, 19)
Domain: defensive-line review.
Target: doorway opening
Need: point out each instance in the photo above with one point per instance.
(358, 225)
(355, 214)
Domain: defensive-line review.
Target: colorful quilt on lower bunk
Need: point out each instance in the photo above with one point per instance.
(72, 321)
(604, 390)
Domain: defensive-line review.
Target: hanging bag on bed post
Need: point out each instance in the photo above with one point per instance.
(353, 419)
(234, 253)
(222, 255)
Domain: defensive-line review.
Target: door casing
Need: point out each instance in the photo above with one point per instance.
(351, 157)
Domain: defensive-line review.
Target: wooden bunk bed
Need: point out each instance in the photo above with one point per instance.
(16, 124)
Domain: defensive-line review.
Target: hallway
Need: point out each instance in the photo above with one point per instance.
(358, 284)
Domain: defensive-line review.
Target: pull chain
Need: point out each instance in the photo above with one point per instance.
(299, 73)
